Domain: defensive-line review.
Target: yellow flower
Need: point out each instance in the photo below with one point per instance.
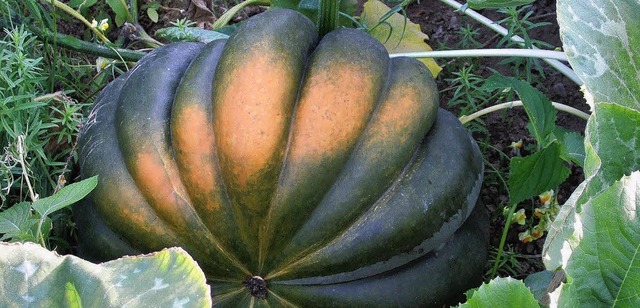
(102, 63)
(519, 217)
(525, 237)
(537, 232)
(104, 25)
(538, 212)
(545, 197)
(516, 145)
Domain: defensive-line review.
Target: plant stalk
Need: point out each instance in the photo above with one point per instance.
(227, 16)
(70, 42)
(79, 17)
(23, 165)
(562, 107)
(328, 16)
(503, 239)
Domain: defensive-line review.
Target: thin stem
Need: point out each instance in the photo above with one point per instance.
(559, 106)
(39, 231)
(503, 239)
(81, 18)
(227, 16)
(503, 52)
(132, 17)
(23, 165)
(565, 70)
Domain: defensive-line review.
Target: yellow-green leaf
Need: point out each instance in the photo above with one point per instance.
(397, 33)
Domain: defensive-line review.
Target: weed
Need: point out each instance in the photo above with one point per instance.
(518, 23)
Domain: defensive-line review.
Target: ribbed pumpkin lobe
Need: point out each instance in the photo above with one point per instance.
(256, 286)
(297, 170)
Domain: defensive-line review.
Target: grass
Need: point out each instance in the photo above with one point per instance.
(45, 93)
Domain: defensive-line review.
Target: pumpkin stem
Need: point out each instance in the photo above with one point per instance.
(328, 16)
(256, 286)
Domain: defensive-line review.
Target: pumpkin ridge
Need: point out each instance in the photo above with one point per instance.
(408, 207)
(144, 136)
(344, 203)
(257, 81)
(325, 128)
(191, 112)
(98, 141)
(304, 255)
(292, 260)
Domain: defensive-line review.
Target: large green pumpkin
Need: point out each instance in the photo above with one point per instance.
(296, 171)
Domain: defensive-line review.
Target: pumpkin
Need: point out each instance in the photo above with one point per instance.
(295, 170)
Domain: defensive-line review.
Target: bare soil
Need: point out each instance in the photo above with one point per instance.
(442, 24)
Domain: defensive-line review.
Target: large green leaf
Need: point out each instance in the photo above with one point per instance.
(536, 173)
(501, 292)
(540, 111)
(35, 277)
(604, 270)
(611, 152)
(15, 222)
(601, 39)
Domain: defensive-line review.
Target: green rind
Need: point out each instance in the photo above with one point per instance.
(194, 99)
(420, 211)
(99, 154)
(407, 110)
(433, 280)
(429, 201)
(142, 125)
(304, 182)
(98, 242)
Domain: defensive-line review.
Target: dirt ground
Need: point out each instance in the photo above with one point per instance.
(441, 23)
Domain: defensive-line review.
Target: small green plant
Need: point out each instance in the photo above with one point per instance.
(468, 36)
(31, 221)
(518, 23)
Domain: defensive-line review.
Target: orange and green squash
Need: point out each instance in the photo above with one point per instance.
(297, 171)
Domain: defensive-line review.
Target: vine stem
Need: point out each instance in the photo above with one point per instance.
(81, 18)
(501, 52)
(228, 15)
(328, 16)
(70, 42)
(503, 239)
(565, 70)
(559, 106)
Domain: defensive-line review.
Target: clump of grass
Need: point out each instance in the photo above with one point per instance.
(38, 126)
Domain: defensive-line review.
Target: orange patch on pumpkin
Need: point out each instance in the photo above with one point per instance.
(251, 115)
(161, 186)
(194, 147)
(335, 106)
